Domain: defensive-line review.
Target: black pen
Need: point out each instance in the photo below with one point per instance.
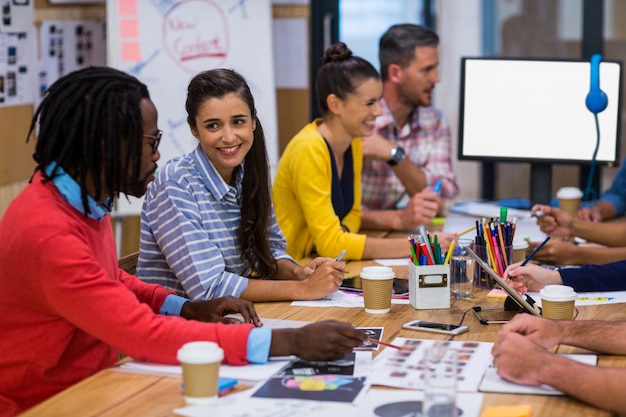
(535, 251)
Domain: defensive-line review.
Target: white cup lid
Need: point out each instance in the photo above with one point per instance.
(569, 192)
(200, 352)
(558, 293)
(520, 244)
(377, 272)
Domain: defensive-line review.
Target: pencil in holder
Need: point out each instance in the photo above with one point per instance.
(429, 286)
(491, 257)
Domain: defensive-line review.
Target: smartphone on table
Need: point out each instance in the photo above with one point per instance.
(434, 327)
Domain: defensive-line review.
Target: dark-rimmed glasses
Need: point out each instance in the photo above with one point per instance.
(157, 140)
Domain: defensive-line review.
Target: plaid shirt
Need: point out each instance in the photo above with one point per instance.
(426, 140)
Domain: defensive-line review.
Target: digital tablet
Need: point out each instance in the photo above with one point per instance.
(520, 300)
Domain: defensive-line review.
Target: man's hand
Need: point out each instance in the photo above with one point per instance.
(556, 252)
(376, 147)
(590, 214)
(322, 341)
(554, 222)
(421, 209)
(215, 310)
(519, 359)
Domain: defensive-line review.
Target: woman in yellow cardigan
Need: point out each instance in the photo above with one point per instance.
(317, 189)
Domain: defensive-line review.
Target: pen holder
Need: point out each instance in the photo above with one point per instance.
(481, 277)
(429, 286)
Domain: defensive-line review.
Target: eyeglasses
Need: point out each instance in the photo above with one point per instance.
(157, 140)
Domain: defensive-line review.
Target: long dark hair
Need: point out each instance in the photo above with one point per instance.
(340, 74)
(256, 201)
(90, 123)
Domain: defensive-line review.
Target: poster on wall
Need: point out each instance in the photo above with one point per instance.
(17, 15)
(68, 45)
(166, 43)
(17, 67)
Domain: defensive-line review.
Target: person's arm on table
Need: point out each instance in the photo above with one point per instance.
(556, 222)
(289, 270)
(325, 340)
(421, 209)
(612, 202)
(531, 277)
(558, 252)
(601, 211)
(323, 281)
(521, 356)
(215, 310)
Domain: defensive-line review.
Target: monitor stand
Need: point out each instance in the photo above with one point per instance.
(540, 183)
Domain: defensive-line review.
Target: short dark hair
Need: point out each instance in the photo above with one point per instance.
(340, 74)
(256, 203)
(90, 124)
(397, 45)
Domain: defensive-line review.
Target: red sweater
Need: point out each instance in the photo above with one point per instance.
(67, 310)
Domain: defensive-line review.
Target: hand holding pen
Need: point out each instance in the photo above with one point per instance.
(533, 253)
(553, 221)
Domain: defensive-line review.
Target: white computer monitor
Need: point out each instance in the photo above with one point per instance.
(533, 110)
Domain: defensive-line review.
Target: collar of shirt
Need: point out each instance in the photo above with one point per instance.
(386, 121)
(70, 190)
(212, 178)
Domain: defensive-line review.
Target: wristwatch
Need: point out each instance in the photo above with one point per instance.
(396, 156)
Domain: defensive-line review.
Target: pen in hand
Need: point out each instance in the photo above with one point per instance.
(533, 253)
(341, 255)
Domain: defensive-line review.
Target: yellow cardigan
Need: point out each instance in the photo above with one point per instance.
(303, 199)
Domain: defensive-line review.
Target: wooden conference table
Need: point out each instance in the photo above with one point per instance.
(118, 393)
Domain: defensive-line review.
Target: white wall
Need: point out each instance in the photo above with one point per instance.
(458, 26)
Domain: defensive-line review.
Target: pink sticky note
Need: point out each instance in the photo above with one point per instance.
(131, 52)
(129, 28)
(496, 293)
(127, 7)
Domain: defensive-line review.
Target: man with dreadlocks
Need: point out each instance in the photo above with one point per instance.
(66, 309)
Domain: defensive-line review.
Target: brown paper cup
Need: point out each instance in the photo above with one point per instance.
(557, 302)
(377, 283)
(519, 251)
(569, 199)
(200, 362)
(557, 310)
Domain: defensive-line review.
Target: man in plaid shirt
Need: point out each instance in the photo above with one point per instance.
(410, 151)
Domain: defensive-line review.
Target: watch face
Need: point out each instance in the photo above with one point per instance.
(398, 154)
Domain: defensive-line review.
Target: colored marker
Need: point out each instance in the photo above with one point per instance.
(437, 187)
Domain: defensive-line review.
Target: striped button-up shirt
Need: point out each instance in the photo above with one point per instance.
(189, 226)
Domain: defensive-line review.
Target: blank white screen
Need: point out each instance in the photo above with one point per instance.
(532, 110)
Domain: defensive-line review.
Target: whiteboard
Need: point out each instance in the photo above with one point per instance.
(165, 43)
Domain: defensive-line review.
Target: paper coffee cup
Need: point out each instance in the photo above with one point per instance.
(377, 283)
(557, 302)
(200, 362)
(519, 250)
(569, 199)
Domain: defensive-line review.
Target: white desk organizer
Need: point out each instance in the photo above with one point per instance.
(429, 286)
